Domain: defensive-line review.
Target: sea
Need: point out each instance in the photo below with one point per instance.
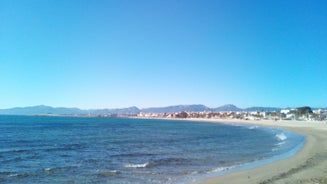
(44, 149)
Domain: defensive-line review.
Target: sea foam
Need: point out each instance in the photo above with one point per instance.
(221, 169)
(253, 127)
(281, 136)
(136, 165)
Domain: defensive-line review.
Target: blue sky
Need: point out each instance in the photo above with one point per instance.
(120, 53)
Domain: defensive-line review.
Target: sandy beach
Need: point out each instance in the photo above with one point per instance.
(307, 166)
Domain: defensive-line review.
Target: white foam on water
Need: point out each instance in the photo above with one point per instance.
(109, 173)
(48, 169)
(253, 127)
(136, 165)
(280, 143)
(281, 136)
(220, 169)
(13, 175)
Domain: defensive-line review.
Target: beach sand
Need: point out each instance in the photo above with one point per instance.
(308, 166)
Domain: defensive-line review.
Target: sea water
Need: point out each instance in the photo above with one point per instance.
(36, 149)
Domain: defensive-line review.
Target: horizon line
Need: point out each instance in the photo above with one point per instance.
(159, 106)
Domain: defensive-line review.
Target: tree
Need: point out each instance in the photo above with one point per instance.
(182, 115)
(304, 110)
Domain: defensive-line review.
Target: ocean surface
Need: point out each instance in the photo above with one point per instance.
(125, 151)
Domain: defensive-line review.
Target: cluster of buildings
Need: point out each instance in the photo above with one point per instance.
(303, 113)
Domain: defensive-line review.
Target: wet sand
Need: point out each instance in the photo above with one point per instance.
(308, 166)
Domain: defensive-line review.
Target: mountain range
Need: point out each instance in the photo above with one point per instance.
(48, 110)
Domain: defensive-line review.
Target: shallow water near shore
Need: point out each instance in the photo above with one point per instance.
(106, 150)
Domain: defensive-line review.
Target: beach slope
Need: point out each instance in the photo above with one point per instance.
(308, 166)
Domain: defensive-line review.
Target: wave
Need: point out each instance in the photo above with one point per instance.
(45, 149)
(62, 168)
(281, 136)
(16, 159)
(277, 146)
(134, 155)
(220, 169)
(49, 169)
(67, 147)
(13, 150)
(109, 173)
(280, 143)
(137, 165)
(171, 162)
(19, 175)
(253, 127)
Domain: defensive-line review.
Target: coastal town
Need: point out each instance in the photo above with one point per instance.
(299, 114)
(231, 112)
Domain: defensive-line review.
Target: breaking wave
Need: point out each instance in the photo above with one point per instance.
(281, 136)
(253, 127)
(221, 169)
(136, 165)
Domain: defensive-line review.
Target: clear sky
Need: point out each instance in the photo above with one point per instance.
(120, 53)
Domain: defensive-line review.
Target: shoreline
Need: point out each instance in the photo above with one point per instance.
(307, 166)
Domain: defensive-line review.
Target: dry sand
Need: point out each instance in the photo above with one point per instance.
(308, 166)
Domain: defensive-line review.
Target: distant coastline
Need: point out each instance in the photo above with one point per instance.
(180, 111)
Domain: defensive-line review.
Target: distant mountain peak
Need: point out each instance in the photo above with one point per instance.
(44, 109)
(177, 108)
(227, 107)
